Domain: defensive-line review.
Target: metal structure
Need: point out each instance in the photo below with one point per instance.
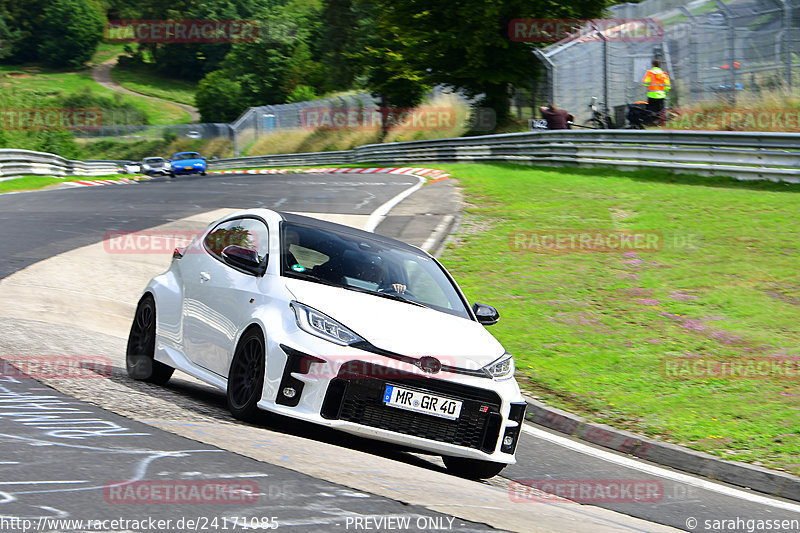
(712, 50)
(747, 156)
(15, 163)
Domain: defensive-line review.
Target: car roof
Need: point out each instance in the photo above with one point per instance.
(341, 228)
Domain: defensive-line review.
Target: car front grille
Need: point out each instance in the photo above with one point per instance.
(355, 395)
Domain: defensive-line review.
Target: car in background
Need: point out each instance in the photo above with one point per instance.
(335, 326)
(131, 167)
(187, 163)
(155, 166)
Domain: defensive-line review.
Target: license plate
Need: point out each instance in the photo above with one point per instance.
(421, 402)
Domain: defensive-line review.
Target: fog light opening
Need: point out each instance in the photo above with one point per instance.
(289, 392)
(508, 440)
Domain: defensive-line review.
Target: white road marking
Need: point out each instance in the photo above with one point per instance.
(657, 470)
(441, 228)
(40, 482)
(376, 216)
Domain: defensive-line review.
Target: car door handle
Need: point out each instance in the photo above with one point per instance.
(204, 276)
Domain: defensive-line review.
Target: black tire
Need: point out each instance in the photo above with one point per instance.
(593, 123)
(472, 468)
(171, 174)
(246, 376)
(139, 361)
(203, 173)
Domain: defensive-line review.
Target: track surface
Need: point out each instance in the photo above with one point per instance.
(40, 225)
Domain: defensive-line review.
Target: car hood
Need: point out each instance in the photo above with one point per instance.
(401, 327)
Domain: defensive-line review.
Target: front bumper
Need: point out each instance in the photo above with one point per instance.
(348, 395)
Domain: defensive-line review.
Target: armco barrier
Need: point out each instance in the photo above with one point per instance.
(744, 155)
(15, 163)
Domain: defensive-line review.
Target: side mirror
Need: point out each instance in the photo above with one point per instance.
(205, 158)
(486, 314)
(241, 257)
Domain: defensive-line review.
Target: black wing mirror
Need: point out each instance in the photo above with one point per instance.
(486, 314)
(241, 257)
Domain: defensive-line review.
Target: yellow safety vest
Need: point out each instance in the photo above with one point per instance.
(657, 83)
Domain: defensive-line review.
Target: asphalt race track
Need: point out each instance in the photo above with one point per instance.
(309, 478)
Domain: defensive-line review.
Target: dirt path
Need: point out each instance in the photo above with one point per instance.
(102, 74)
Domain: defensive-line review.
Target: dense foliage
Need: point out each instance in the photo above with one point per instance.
(396, 49)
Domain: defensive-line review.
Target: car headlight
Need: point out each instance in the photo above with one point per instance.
(319, 324)
(503, 368)
(146, 167)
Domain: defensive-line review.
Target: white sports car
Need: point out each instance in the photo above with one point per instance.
(335, 326)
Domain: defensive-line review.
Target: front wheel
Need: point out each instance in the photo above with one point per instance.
(472, 468)
(246, 376)
(139, 356)
(171, 174)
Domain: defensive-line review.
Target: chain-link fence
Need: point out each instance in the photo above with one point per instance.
(263, 120)
(712, 49)
(206, 131)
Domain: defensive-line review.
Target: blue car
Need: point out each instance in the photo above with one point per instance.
(187, 163)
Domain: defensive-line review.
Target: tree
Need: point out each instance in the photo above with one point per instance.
(465, 44)
(280, 59)
(301, 93)
(70, 32)
(219, 98)
(7, 38)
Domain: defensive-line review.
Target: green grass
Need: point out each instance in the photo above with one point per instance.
(41, 82)
(106, 51)
(31, 183)
(591, 331)
(146, 82)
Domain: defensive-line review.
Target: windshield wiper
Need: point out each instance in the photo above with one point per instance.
(390, 295)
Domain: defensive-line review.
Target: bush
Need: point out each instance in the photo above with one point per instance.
(218, 98)
(301, 93)
(70, 33)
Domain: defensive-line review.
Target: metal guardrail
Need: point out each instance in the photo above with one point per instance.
(15, 163)
(743, 155)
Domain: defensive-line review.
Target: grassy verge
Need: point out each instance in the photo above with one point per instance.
(32, 183)
(593, 331)
(39, 82)
(145, 82)
(136, 150)
(326, 140)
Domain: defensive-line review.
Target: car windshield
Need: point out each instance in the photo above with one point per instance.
(188, 155)
(154, 160)
(362, 264)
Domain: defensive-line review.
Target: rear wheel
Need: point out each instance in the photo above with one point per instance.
(246, 376)
(139, 356)
(472, 468)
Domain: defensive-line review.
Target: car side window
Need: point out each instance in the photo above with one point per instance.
(245, 232)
